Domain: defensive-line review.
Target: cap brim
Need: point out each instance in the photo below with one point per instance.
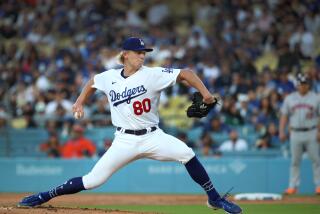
(148, 49)
(141, 49)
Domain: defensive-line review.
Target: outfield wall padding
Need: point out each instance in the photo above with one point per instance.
(268, 175)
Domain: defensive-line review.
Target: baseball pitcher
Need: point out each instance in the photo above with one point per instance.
(134, 93)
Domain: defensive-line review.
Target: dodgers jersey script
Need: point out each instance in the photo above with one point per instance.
(134, 100)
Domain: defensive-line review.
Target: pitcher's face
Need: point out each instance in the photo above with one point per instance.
(135, 58)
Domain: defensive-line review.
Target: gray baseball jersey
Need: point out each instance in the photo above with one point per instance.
(303, 111)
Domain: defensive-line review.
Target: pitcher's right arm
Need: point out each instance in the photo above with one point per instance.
(86, 92)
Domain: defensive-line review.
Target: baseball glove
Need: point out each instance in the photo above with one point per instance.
(198, 108)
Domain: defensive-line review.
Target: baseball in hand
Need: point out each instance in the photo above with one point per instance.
(77, 115)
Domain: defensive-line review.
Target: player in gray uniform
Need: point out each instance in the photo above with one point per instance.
(302, 110)
(133, 93)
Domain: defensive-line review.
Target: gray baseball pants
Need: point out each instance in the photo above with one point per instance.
(298, 141)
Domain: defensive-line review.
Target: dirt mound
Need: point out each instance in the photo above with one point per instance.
(58, 210)
(70, 203)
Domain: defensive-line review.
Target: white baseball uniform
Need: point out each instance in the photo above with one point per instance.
(134, 104)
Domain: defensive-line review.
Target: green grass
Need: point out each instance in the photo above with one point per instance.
(199, 209)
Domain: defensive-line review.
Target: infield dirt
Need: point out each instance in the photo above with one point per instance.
(70, 203)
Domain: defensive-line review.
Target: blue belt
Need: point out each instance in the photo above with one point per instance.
(136, 132)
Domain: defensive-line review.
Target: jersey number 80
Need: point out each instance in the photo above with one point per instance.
(140, 107)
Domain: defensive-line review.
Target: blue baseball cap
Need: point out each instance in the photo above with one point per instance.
(135, 44)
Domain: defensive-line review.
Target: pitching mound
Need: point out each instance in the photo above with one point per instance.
(70, 203)
(57, 210)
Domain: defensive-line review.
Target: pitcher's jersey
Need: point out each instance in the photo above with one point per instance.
(303, 111)
(134, 100)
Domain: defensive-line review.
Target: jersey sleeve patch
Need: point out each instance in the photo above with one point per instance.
(167, 70)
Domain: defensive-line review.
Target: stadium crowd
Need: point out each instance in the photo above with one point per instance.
(247, 51)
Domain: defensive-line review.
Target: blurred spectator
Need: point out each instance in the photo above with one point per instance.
(275, 100)
(304, 39)
(60, 115)
(184, 138)
(59, 104)
(106, 145)
(243, 106)
(246, 69)
(6, 29)
(210, 70)
(270, 139)
(198, 39)
(267, 79)
(47, 47)
(284, 84)
(158, 12)
(266, 113)
(231, 115)
(28, 112)
(208, 146)
(51, 126)
(234, 143)
(253, 102)
(52, 146)
(216, 125)
(312, 21)
(224, 80)
(78, 146)
(259, 124)
(100, 114)
(288, 60)
(3, 118)
(314, 74)
(39, 116)
(238, 85)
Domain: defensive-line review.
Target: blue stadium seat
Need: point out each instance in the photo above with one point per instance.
(172, 130)
(3, 143)
(251, 139)
(194, 134)
(244, 130)
(98, 135)
(254, 153)
(219, 137)
(25, 142)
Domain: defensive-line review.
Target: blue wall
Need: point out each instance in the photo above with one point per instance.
(148, 176)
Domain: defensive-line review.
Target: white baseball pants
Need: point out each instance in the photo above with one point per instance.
(126, 148)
